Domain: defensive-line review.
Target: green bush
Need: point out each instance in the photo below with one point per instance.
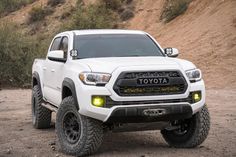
(39, 13)
(54, 3)
(16, 56)
(7, 6)
(93, 17)
(173, 8)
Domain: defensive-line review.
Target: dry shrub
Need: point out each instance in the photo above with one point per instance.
(113, 4)
(126, 14)
(94, 16)
(124, 8)
(54, 3)
(39, 13)
(7, 6)
(173, 8)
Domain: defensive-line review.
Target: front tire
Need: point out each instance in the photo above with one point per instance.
(77, 134)
(41, 116)
(192, 132)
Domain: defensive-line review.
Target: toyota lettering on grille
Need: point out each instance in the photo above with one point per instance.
(153, 81)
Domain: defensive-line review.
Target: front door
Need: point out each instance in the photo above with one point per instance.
(53, 77)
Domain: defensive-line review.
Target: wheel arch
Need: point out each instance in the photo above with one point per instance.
(68, 89)
(36, 80)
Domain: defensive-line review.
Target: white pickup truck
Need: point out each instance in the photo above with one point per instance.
(118, 80)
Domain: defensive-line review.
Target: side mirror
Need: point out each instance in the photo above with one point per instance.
(171, 52)
(56, 55)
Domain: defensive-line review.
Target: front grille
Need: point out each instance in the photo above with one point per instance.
(127, 84)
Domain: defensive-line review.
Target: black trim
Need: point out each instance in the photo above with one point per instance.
(110, 102)
(53, 43)
(137, 115)
(36, 76)
(63, 60)
(69, 83)
(74, 35)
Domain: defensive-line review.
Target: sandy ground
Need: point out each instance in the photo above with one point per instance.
(19, 138)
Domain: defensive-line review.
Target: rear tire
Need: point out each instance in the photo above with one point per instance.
(77, 134)
(192, 131)
(41, 116)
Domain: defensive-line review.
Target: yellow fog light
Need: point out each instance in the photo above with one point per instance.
(196, 96)
(98, 101)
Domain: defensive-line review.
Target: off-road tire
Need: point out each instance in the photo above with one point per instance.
(197, 133)
(41, 116)
(90, 130)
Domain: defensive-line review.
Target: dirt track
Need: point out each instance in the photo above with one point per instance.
(19, 138)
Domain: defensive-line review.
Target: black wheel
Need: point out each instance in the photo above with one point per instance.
(41, 116)
(77, 134)
(191, 133)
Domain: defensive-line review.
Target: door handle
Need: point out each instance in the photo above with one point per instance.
(52, 70)
(44, 68)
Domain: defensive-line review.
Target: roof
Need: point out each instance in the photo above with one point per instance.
(106, 31)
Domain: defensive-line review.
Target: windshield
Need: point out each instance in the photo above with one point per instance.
(115, 45)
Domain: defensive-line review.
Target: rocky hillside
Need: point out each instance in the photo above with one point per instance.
(204, 34)
(48, 26)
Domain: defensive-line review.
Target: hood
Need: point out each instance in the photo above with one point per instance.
(110, 64)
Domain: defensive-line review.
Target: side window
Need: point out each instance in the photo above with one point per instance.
(55, 44)
(64, 46)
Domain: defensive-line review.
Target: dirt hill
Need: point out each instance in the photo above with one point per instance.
(48, 26)
(205, 34)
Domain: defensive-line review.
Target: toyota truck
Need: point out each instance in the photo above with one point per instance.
(117, 80)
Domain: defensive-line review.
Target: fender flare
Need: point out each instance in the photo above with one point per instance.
(69, 83)
(35, 75)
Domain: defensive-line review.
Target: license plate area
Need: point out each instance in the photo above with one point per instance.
(154, 112)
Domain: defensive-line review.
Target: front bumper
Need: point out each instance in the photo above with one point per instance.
(85, 93)
(150, 113)
(104, 114)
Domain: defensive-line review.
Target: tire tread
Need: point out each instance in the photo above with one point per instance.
(200, 132)
(92, 136)
(43, 115)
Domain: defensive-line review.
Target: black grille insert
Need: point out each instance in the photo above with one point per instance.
(127, 84)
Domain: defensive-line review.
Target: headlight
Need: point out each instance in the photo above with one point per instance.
(194, 75)
(91, 78)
